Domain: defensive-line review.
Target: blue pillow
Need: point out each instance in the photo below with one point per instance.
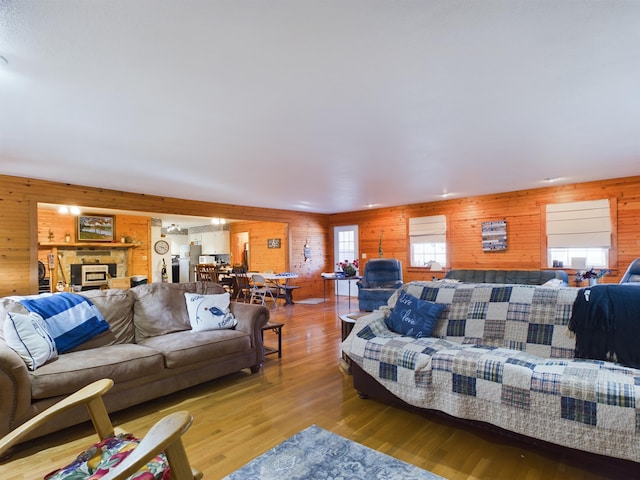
(413, 317)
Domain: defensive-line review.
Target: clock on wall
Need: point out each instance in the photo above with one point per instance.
(161, 247)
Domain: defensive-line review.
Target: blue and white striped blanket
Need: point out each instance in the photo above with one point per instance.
(71, 319)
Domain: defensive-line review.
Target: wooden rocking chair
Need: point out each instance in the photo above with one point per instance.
(164, 436)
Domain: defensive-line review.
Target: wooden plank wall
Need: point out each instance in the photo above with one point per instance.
(19, 229)
(524, 213)
(261, 257)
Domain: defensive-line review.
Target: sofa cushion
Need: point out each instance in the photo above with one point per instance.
(209, 312)
(9, 304)
(413, 317)
(105, 455)
(186, 348)
(116, 306)
(74, 370)
(27, 335)
(160, 308)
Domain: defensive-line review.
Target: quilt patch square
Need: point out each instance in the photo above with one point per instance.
(423, 378)
(475, 328)
(429, 293)
(407, 359)
(616, 393)
(477, 310)
(462, 295)
(501, 294)
(443, 360)
(373, 351)
(490, 369)
(540, 333)
(466, 361)
(516, 332)
(562, 314)
(456, 328)
(561, 352)
(388, 372)
(494, 329)
(546, 382)
(578, 410)
(445, 295)
(366, 333)
(515, 397)
(523, 294)
(481, 293)
(519, 312)
(464, 385)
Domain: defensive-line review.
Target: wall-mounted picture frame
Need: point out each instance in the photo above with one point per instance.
(494, 236)
(273, 243)
(96, 228)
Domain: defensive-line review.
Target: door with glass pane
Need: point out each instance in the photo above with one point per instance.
(345, 243)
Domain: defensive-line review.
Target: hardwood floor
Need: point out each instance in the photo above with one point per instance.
(239, 417)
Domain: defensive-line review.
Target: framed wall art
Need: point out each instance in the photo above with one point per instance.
(96, 228)
(494, 236)
(273, 243)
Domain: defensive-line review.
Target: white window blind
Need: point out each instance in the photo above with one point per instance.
(430, 229)
(579, 224)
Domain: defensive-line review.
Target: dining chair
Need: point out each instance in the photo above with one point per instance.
(241, 286)
(206, 272)
(159, 450)
(260, 290)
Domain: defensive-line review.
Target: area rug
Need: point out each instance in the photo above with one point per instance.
(315, 453)
(310, 301)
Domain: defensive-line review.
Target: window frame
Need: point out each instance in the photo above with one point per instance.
(410, 244)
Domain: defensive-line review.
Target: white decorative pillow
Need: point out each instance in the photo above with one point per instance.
(27, 334)
(209, 312)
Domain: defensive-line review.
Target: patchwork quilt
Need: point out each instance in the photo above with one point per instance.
(502, 354)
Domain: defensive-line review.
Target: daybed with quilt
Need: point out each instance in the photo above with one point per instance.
(502, 354)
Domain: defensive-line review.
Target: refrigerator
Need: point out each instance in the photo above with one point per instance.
(189, 256)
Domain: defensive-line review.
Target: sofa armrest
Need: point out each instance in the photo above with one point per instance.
(15, 388)
(251, 319)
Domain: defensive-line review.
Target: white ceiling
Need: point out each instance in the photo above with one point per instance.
(319, 105)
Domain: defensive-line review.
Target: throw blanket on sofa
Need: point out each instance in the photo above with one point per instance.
(605, 319)
(71, 319)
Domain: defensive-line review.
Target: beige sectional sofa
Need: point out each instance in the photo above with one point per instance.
(502, 354)
(149, 350)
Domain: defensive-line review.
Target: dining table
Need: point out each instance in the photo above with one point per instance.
(279, 281)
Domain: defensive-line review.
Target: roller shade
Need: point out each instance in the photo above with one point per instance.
(430, 229)
(579, 224)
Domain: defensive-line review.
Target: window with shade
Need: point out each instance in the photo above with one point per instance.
(579, 234)
(428, 240)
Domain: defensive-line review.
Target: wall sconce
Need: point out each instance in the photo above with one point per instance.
(218, 221)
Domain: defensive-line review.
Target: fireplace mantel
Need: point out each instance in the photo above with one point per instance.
(96, 245)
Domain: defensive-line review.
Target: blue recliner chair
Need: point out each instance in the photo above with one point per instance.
(632, 275)
(381, 278)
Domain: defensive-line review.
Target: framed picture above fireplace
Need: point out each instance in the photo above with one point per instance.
(96, 228)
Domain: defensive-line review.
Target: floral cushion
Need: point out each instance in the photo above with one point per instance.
(97, 460)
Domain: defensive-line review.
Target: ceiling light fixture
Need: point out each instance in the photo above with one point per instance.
(551, 179)
(65, 210)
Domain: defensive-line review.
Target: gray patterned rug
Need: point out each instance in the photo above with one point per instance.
(315, 453)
